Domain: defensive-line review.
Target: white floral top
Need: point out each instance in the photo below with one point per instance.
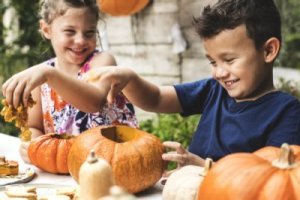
(61, 117)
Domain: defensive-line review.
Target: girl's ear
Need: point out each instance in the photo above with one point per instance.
(271, 49)
(45, 29)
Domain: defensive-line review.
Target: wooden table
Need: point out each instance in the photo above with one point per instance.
(9, 146)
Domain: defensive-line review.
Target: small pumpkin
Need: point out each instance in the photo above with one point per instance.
(269, 173)
(49, 152)
(134, 155)
(95, 178)
(121, 7)
(183, 184)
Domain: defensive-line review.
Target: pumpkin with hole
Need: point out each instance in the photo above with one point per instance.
(183, 184)
(121, 7)
(269, 173)
(134, 155)
(49, 152)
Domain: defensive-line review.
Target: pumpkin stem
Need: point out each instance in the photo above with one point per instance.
(92, 157)
(207, 166)
(286, 158)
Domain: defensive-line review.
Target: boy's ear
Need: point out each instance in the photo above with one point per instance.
(271, 49)
(45, 29)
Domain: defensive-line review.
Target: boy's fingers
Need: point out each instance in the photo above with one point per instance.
(175, 145)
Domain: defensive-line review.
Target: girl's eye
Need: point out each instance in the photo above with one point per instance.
(90, 34)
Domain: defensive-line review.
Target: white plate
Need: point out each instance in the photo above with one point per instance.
(26, 174)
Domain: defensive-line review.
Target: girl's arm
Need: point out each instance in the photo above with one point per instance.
(86, 97)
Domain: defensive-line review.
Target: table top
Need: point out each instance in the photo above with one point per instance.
(9, 146)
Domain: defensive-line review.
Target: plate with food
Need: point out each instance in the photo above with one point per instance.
(39, 191)
(11, 172)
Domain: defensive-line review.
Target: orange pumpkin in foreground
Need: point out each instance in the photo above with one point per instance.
(269, 173)
(121, 7)
(134, 155)
(50, 152)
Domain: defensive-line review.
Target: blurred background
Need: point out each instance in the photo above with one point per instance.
(158, 41)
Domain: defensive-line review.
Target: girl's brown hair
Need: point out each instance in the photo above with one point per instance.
(50, 9)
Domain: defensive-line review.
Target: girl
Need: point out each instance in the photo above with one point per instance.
(64, 102)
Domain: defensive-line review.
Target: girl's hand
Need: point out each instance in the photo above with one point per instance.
(181, 156)
(17, 89)
(23, 150)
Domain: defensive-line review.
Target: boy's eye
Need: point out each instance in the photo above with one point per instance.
(69, 31)
(212, 63)
(229, 60)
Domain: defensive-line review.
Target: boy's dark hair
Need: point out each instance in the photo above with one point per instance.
(261, 18)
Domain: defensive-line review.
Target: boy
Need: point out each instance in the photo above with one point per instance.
(241, 109)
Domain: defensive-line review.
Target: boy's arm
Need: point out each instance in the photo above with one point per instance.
(139, 91)
(150, 97)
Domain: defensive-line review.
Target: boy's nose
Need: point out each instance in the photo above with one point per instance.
(221, 72)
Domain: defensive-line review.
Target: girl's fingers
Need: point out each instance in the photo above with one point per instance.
(26, 94)
(9, 91)
(17, 94)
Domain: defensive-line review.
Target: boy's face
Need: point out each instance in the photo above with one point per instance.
(237, 65)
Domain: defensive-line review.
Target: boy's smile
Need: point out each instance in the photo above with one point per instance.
(238, 65)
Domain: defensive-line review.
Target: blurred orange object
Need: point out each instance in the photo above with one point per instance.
(121, 7)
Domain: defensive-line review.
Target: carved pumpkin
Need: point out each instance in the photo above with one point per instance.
(50, 152)
(184, 183)
(269, 173)
(121, 7)
(134, 155)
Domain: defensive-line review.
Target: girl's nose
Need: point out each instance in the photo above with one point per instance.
(79, 38)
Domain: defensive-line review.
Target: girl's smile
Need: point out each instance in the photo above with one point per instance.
(73, 36)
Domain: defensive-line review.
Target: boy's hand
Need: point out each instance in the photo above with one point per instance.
(180, 155)
(17, 89)
(111, 79)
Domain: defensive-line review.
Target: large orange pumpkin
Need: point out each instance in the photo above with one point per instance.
(50, 152)
(134, 155)
(121, 7)
(269, 173)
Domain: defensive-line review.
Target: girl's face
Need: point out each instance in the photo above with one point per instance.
(73, 35)
(237, 65)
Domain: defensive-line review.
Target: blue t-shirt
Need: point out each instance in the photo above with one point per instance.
(227, 126)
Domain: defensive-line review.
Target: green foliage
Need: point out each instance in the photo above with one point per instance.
(290, 87)
(172, 127)
(29, 48)
(290, 15)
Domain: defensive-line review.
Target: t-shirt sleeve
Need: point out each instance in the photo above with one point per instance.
(287, 129)
(194, 95)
